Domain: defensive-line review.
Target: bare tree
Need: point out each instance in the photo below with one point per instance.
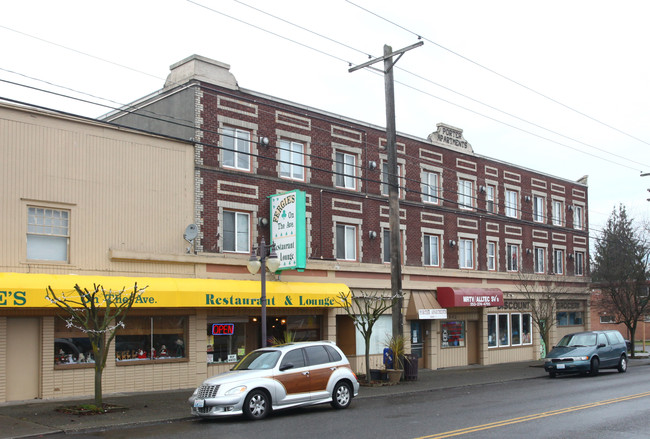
(365, 308)
(97, 313)
(542, 291)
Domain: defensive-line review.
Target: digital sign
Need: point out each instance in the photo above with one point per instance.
(223, 329)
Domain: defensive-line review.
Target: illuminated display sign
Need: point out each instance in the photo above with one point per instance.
(223, 329)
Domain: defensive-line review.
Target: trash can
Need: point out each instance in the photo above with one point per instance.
(410, 367)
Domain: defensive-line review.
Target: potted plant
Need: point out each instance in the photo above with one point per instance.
(396, 345)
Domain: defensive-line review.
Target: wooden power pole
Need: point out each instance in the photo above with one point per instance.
(393, 181)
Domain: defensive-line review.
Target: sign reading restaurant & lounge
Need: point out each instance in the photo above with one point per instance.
(289, 229)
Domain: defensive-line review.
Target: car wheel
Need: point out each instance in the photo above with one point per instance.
(552, 374)
(257, 405)
(341, 396)
(595, 364)
(622, 364)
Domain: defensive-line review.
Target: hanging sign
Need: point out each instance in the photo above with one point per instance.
(289, 229)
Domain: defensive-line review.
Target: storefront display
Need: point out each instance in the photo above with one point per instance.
(453, 334)
(151, 338)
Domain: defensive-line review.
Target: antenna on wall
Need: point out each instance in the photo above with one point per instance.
(191, 232)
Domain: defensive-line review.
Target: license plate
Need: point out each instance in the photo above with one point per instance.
(198, 403)
(559, 366)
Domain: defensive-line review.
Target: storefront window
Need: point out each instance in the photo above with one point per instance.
(515, 324)
(151, 338)
(304, 328)
(526, 332)
(226, 341)
(569, 318)
(453, 334)
(504, 339)
(492, 330)
(71, 345)
(513, 329)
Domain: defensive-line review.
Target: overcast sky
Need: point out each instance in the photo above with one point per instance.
(561, 87)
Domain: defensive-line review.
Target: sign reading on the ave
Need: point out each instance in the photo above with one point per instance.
(288, 229)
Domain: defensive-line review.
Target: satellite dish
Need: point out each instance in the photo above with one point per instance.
(191, 232)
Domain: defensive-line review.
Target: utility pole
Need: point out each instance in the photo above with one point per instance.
(393, 181)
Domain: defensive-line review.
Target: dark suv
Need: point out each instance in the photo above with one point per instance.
(587, 352)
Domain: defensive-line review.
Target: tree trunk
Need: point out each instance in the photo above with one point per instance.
(98, 385)
(368, 359)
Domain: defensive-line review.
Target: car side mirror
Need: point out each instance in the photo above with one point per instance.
(286, 366)
(602, 345)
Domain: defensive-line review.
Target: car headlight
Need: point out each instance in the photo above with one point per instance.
(583, 358)
(236, 390)
(196, 391)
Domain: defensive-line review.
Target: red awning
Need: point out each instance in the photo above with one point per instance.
(449, 297)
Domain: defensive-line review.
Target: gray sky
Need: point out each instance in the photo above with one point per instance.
(488, 68)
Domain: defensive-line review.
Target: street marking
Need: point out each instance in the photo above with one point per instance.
(533, 417)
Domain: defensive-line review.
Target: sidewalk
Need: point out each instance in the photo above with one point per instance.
(30, 419)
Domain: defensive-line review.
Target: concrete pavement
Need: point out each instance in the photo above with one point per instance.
(39, 418)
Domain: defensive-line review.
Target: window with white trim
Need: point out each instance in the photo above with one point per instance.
(430, 187)
(292, 160)
(490, 198)
(558, 261)
(558, 210)
(509, 330)
(236, 150)
(539, 215)
(512, 203)
(432, 250)
(466, 253)
(346, 242)
(465, 194)
(579, 264)
(578, 217)
(386, 244)
(384, 179)
(512, 254)
(346, 170)
(236, 231)
(48, 234)
(607, 319)
(491, 255)
(539, 260)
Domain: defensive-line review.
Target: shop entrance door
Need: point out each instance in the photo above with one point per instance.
(417, 342)
(23, 358)
(473, 344)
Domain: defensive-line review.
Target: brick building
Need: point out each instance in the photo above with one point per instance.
(469, 224)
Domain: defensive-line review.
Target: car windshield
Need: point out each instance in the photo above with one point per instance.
(577, 340)
(258, 360)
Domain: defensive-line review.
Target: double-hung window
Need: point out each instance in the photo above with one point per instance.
(490, 198)
(580, 264)
(466, 253)
(48, 234)
(291, 160)
(578, 217)
(430, 187)
(384, 179)
(345, 170)
(512, 203)
(491, 255)
(538, 209)
(465, 194)
(558, 261)
(558, 208)
(236, 232)
(346, 242)
(432, 250)
(236, 145)
(539, 259)
(512, 254)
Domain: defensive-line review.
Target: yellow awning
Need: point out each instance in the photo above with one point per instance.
(27, 290)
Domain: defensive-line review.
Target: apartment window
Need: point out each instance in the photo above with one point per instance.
(491, 256)
(578, 217)
(490, 198)
(512, 203)
(558, 209)
(430, 187)
(558, 261)
(345, 170)
(291, 160)
(236, 148)
(512, 254)
(465, 194)
(386, 254)
(432, 250)
(540, 259)
(384, 179)
(509, 330)
(538, 209)
(236, 232)
(48, 234)
(346, 242)
(607, 319)
(580, 264)
(466, 253)
(569, 318)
